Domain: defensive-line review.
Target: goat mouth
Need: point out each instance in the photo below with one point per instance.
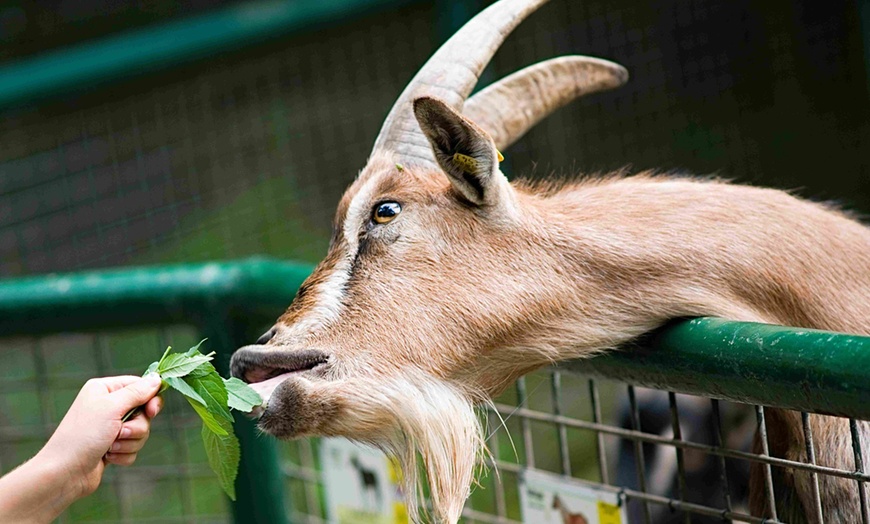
(265, 369)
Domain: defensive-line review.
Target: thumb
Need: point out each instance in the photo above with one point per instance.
(137, 393)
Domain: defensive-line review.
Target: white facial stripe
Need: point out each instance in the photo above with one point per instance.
(357, 212)
(327, 306)
(330, 293)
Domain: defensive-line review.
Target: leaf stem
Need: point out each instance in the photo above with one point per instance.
(168, 348)
(132, 413)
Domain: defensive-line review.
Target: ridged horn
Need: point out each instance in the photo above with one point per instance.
(507, 109)
(450, 75)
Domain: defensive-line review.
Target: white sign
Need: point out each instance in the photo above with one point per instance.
(550, 499)
(362, 485)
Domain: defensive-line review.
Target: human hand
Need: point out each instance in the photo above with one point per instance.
(92, 433)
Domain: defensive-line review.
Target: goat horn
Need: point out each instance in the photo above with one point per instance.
(514, 104)
(450, 75)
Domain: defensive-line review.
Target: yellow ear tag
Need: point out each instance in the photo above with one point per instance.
(466, 163)
(400, 167)
(500, 156)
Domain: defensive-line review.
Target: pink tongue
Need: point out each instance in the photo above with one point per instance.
(266, 387)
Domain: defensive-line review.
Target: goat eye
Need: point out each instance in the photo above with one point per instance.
(386, 211)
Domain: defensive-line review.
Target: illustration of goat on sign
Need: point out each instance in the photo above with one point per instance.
(369, 486)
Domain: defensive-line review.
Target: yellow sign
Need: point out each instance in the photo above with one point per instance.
(608, 513)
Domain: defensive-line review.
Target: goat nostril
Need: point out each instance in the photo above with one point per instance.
(266, 337)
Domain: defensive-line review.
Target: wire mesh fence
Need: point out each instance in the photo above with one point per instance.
(172, 481)
(668, 457)
(249, 152)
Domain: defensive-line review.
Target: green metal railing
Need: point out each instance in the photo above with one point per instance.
(800, 369)
(227, 301)
(138, 52)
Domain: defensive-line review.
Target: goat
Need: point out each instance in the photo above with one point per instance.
(444, 282)
(567, 516)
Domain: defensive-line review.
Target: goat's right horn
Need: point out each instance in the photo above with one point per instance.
(450, 75)
(510, 107)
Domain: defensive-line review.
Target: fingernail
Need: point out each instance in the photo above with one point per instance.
(125, 432)
(153, 379)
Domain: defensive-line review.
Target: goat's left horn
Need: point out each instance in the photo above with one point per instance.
(450, 75)
(510, 107)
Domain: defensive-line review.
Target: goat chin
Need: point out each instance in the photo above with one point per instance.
(432, 419)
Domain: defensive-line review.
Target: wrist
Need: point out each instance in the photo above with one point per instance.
(57, 473)
(36, 492)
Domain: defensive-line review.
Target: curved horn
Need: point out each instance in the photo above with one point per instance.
(450, 75)
(514, 104)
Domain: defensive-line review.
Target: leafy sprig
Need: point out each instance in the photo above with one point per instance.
(212, 397)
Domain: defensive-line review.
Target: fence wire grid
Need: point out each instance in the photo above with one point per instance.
(671, 458)
(249, 152)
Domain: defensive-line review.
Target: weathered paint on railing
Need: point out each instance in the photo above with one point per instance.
(801, 369)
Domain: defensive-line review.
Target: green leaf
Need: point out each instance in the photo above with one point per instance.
(195, 349)
(223, 456)
(203, 370)
(151, 369)
(184, 388)
(211, 388)
(241, 396)
(164, 356)
(209, 421)
(211, 396)
(178, 365)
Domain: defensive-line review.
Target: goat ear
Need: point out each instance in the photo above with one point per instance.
(464, 151)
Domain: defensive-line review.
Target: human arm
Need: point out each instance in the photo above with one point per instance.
(90, 436)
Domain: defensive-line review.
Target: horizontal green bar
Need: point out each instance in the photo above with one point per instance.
(802, 369)
(149, 295)
(793, 368)
(136, 52)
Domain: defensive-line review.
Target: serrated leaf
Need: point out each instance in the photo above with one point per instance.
(203, 370)
(211, 388)
(178, 365)
(184, 388)
(152, 368)
(209, 421)
(223, 456)
(241, 396)
(195, 349)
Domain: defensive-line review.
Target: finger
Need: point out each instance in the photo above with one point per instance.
(112, 383)
(128, 445)
(136, 427)
(118, 382)
(121, 459)
(153, 407)
(138, 392)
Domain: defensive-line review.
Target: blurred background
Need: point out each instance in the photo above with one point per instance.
(159, 132)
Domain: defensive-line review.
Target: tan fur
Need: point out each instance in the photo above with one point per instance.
(449, 293)
(477, 281)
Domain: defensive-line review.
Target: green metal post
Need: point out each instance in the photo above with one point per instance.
(228, 301)
(259, 486)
